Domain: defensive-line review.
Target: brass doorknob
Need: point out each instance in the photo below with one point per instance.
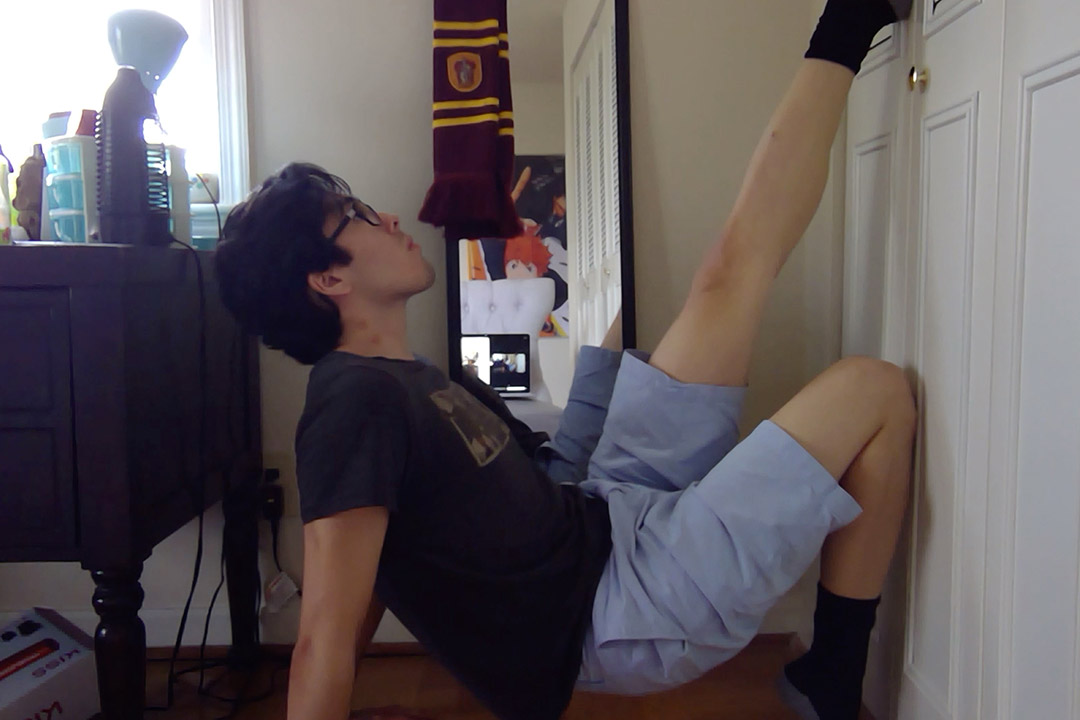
(920, 78)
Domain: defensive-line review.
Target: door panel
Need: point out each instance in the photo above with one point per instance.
(1042, 647)
(948, 177)
(956, 156)
(865, 246)
(1031, 633)
(939, 13)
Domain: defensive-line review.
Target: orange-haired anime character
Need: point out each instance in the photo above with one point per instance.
(526, 256)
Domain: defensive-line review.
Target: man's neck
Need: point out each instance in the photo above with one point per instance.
(380, 333)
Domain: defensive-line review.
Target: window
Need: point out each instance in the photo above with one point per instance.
(68, 65)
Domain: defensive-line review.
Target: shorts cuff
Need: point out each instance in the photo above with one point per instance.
(841, 507)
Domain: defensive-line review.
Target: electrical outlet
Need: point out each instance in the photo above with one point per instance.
(272, 502)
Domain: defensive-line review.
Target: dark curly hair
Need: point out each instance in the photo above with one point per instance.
(269, 245)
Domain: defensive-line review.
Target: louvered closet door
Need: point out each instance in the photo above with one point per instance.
(1032, 630)
(595, 258)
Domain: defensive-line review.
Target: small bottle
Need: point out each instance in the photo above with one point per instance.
(5, 199)
(28, 189)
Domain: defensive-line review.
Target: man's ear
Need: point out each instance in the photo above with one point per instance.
(328, 282)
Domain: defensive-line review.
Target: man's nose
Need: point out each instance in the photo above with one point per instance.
(390, 220)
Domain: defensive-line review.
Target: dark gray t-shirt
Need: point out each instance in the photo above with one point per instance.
(490, 564)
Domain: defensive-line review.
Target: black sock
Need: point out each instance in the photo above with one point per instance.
(831, 673)
(846, 30)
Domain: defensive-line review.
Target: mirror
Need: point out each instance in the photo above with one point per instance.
(563, 282)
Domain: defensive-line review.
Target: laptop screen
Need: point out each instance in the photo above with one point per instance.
(501, 361)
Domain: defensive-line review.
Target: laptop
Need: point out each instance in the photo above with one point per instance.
(501, 361)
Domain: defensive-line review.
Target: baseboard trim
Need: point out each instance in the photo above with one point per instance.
(395, 649)
(161, 625)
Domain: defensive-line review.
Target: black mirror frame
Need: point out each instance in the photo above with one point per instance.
(626, 212)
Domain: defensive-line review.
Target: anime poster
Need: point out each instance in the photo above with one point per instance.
(540, 195)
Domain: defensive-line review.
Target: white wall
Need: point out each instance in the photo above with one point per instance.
(705, 78)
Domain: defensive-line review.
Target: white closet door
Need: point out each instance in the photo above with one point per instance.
(954, 226)
(875, 265)
(1032, 627)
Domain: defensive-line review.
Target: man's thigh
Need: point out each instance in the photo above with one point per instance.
(566, 458)
(692, 573)
(662, 433)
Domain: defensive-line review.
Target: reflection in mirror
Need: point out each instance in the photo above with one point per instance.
(561, 282)
(598, 143)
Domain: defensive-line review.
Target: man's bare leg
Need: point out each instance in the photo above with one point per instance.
(858, 419)
(711, 340)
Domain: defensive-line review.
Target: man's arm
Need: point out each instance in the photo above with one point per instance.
(341, 557)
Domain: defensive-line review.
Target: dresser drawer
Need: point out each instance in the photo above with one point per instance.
(37, 476)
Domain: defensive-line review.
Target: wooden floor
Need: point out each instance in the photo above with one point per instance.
(739, 690)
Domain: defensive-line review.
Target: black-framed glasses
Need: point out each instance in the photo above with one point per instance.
(357, 210)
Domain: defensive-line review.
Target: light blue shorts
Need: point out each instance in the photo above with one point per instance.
(708, 533)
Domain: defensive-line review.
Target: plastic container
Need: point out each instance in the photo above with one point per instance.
(29, 197)
(69, 226)
(65, 155)
(66, 192)
(71, 182)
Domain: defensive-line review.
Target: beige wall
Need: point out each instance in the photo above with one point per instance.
(705, 78)
(538, 117)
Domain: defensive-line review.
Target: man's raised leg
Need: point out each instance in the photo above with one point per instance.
(711, 340)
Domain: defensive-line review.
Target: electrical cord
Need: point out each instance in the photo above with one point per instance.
(200, 485)
(199, 498)
(204, 664)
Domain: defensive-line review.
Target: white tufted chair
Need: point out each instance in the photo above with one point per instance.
(515, 306)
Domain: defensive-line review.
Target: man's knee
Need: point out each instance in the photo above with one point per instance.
(888, 384)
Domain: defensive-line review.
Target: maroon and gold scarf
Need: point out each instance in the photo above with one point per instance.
(473, 122)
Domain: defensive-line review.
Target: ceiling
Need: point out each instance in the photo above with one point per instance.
(536, 53)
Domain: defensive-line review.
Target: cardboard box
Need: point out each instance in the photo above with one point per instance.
(47, 669)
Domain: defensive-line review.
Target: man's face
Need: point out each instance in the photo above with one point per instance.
(386, 264)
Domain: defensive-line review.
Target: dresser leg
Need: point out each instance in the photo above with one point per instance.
(120, 643)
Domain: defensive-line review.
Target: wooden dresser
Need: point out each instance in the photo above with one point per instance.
(109, 421)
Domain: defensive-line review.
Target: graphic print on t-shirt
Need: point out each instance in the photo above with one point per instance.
(483, 432)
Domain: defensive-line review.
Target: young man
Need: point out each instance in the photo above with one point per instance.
(643, 546)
